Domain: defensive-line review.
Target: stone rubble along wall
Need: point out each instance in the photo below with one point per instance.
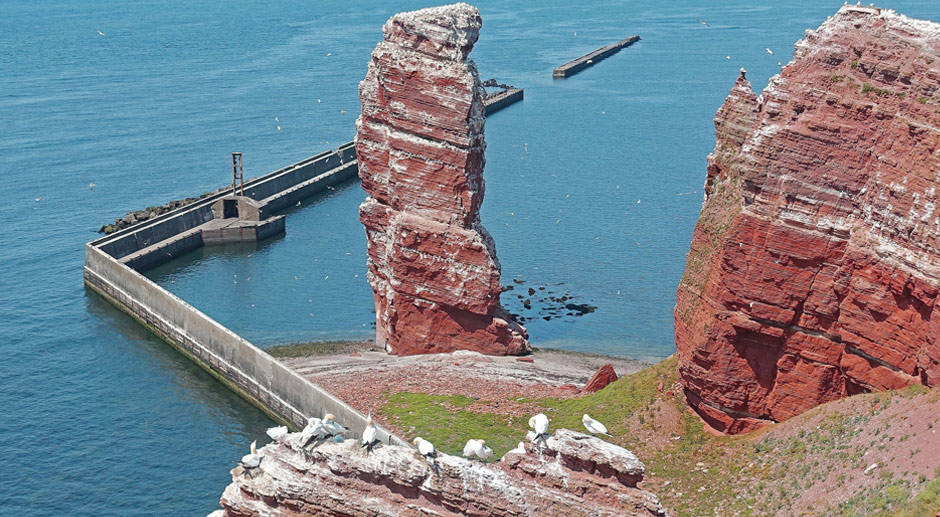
(420, 147)
(573, 475)
(814, 268)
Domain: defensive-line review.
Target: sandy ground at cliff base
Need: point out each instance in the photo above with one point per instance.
(361, 374)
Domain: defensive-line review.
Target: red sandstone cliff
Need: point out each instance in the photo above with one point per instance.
(573, 475)
(814, 268)
(420, 145)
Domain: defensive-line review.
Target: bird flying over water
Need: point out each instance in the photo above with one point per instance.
(101, 33)
(703, 22)
(92, 185)
(771, 52)
(593, 426)
(277, 433)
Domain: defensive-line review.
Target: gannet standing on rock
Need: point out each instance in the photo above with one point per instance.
(277, 433)
(477, 448)
(425, 448)
(331, 427)
(252, 461)
(369, 439)
(313, 431)
(540, 423)
(593, 426)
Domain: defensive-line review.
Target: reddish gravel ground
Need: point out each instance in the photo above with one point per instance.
(363, 377)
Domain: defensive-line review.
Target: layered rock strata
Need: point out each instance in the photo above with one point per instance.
(420, 145)
(814, 268)
(574, 474)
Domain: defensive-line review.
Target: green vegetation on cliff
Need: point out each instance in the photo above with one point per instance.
(813, 464)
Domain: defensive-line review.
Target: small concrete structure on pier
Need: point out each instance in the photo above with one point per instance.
(574, 66)
(499, 100)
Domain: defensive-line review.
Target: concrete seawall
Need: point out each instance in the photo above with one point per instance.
(576, 65)
(246, 369)
(500, 100)
(169, 235)
(112, 266)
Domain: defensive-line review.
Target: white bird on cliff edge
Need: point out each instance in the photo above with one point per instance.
(540, 423)
(477, 448)
(593, 426)
(369, 436)
(252, 460)
(331, 427)
(520, 449)
(312, 431)
(277, 433)
(425, 448)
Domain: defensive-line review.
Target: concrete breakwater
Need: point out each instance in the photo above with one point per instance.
(498, 100)
(112, 268)
(576, 65)
(495, 101)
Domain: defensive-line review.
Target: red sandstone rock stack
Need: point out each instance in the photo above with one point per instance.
(573, 475)
(814, 268)
(420, 145)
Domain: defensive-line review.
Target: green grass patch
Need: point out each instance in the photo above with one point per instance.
(870, 88)
(614, 404)
(444, 422)
(927, 501)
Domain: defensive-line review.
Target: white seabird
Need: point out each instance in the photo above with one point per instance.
(520, 449)
(331, 427)
(252, 460)
(477, 448)
(425, 448)
(771, 52)
(313, 431)
(277, 433)
(369, 438)
(593, 426)
(540, 423)
(531, 436)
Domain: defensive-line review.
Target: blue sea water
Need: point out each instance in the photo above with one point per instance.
(593, 182)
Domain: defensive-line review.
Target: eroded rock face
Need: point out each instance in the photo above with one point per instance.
(420, 145)
(814, 268)
(574, 474)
